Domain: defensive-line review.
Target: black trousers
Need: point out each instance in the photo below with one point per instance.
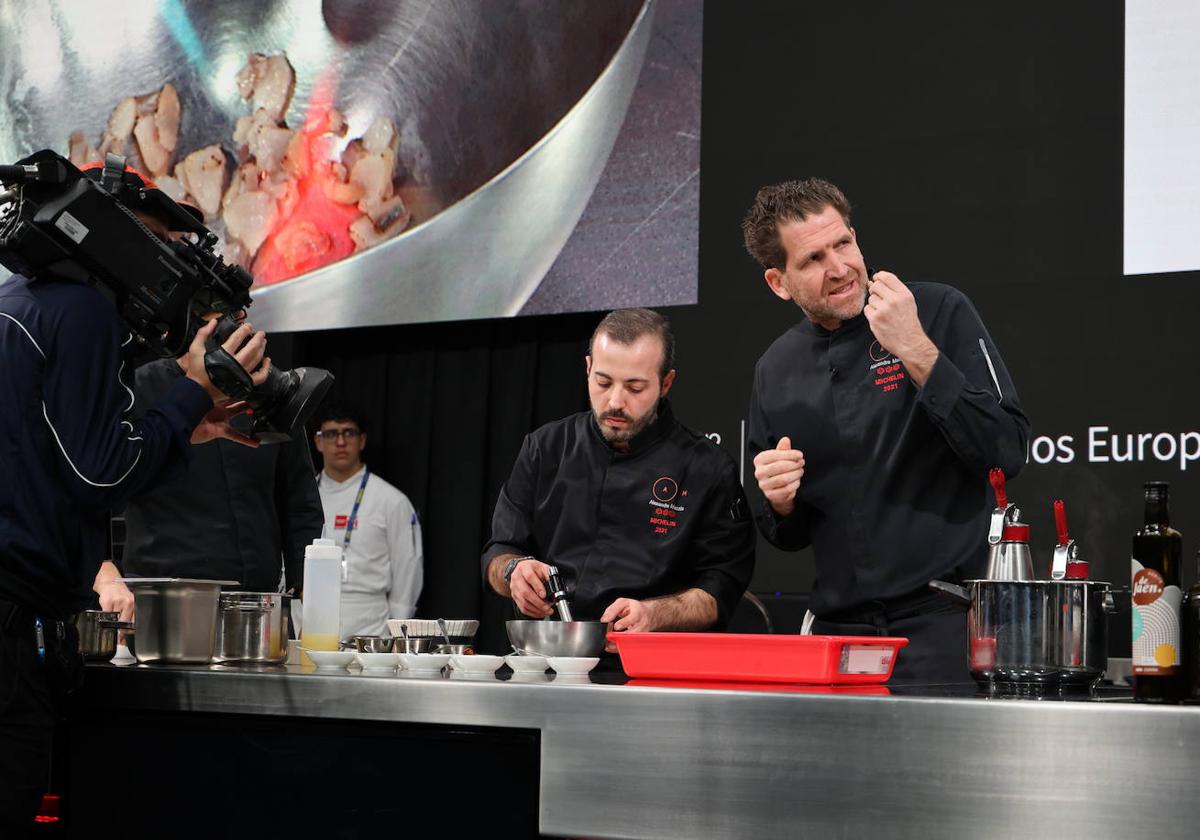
(936, 630)
(32, 690)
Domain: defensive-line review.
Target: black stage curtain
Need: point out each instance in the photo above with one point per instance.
(447, 407)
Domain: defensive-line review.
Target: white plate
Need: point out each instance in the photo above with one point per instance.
(423, 663)
(572, 664)
(329, 659)
(476, 664)
(522, 664)
(378, 661)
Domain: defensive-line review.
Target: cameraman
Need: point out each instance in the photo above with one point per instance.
(72, 451)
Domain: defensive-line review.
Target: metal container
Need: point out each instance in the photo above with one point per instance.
(1040, 632)
(411, 645)
(558, 638)
(98, 634)
(252, 627)
(373, 644)
(176, 618)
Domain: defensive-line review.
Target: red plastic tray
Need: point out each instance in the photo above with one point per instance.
(746, 657)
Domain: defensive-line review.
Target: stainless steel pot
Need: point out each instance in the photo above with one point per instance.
(1037, 632)
(176, 618)
(98, 634)
(252, 627)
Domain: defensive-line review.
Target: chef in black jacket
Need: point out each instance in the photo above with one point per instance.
(873, 424)
(644, 519)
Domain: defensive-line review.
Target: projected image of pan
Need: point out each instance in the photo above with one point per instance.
(369, 162)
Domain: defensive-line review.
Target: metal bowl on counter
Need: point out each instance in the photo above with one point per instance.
(557, 638)
(373, 644)
(252, 628)
(505, 115)
(176, 619)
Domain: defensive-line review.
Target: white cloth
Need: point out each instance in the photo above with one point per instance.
(385, 566)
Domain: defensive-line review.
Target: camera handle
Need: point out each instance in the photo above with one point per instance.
(224, 371)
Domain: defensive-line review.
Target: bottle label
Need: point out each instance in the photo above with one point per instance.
(1155, 623)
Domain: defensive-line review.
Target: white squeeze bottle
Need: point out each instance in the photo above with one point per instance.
(322, 595)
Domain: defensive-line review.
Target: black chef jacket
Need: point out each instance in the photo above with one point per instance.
(70, 448)
(895, 487)
(234, 514)
(665, 516)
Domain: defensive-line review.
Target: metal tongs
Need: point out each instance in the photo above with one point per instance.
(558, 595)
(1005, 512)
(1066, 564)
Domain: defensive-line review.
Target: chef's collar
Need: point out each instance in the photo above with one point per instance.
(850, 325)
(643, 439)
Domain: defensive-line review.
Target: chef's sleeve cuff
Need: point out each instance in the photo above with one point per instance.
(942, 388)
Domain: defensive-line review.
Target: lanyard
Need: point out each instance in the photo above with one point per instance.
(354, 511)
(353, 520)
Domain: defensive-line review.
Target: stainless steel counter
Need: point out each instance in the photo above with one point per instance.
(641, 761)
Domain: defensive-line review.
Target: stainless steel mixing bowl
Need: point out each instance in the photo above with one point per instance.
(507, 111)
(558, 638)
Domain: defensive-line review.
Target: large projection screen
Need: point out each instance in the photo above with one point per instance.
(1162, 136)
(527, 156)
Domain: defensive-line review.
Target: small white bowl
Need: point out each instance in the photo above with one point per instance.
(572, 665)
(530, 677)
(329, 659)
(572, 679)
(378, 661)
(522, 664)
(476, 663)
(423, 663)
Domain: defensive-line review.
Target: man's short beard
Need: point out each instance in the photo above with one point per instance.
(632, 430)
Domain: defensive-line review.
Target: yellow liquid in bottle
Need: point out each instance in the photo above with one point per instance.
(316, 641)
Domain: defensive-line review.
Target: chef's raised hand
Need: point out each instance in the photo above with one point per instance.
(891, 311)
(527, 587)
(778, 472)
(628, 615)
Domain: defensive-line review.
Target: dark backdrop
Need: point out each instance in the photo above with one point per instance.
(980, 145)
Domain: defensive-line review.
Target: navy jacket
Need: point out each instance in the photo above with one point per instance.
(895, 490)
(69, 447)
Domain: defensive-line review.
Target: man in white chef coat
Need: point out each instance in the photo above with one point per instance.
(375, 524)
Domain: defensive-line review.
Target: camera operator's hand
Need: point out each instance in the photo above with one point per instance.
(216, 425)
(245, 345)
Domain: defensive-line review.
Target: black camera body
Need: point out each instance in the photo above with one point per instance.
(56, 220)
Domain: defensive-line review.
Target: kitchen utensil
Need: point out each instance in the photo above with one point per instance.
(558, 595)
(478, 664)
(457, 650)
(759, 657)
(557, 638)
(98, 634)
(423, 663)
(572, 664)
(377, 661)
(1008, 538)
(523, 664)
(330, 659)
(441, 623)
(1066, 563)
(508, 150)
(373, 644)
(251, 627)
(176, 618)
(461, 630)
(1042, 632)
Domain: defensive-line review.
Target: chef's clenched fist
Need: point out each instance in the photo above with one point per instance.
(778, 472)
(891, 311)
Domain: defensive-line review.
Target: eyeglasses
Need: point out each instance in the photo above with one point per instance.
(332, 435)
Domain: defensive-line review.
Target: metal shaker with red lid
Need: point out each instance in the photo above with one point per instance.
(1008, 538)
